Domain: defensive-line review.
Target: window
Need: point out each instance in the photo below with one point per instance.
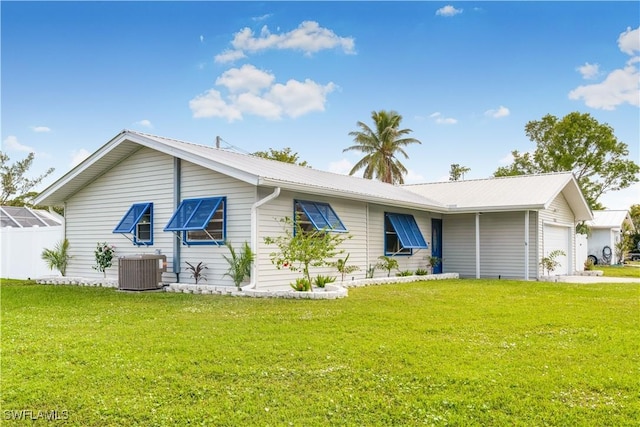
(317, 216)
(139, 221)
(402, 235)
(201, 221)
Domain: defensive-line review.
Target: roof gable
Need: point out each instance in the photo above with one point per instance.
(611, 219)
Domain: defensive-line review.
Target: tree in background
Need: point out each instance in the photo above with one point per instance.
(457, 172)
(634, 212)
(285, 155)
(16, 187)
(381, 145)
(580, 144)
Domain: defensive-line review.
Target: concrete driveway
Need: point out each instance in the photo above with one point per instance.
(593, 279)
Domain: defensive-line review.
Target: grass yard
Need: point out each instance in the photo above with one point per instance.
(453, 352)
(632, 270)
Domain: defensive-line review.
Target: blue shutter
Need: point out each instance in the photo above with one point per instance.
(131, 218)
(407, 230)
(322, 216)
(193, 214)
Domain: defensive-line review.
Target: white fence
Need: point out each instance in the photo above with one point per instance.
(21, 248)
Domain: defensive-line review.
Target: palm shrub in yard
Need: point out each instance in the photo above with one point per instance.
(239, 263)
(58, 257)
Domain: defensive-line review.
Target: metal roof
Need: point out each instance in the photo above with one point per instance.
(248, 168)
(495, 194)
(23, 217)
(533, 192)
(610, 219)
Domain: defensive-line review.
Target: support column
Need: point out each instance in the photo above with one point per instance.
(526, 245)
(477, 245)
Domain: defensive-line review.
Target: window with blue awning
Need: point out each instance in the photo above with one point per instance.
(202, 221)
(318, 215)
(139, 221)
(402, 234)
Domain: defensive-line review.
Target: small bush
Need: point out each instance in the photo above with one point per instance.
(588, 264)
(422, 272)
(301, 284)
(321, 281)
(404, 273)
(197, 271)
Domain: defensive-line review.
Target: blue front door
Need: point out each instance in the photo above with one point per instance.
(436, 243)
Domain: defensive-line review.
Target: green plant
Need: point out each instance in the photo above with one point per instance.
(301, 284)
(433, 261)
(299, 250)
(58, 257)
(343, 268)
(370, 271)
(550, 263)
(387, 263)
(404, 273)
(321, 281)
(588, 264)
(422, 272)
(104, 254)
(197, 271)
(239, 263)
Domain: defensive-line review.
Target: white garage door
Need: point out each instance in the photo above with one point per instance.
(557, 238)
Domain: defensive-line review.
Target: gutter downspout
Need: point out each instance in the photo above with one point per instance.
(177, 187)
(477, 245)
(254, 235)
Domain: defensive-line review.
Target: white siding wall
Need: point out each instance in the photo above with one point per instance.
(419, 259)
(93, 213)
(558, 213)
(601, 237)
(199, 182)
(502, 244)
(351, 213)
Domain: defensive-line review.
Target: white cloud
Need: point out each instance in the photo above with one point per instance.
(589, 71)
(201, 38)
(255, 92)
(77, 156)
(40, 129)
(211, 104)
(448, 11)
(11, 143)
(342, 167)
(144, 123)
(620, 86)
(229, 56)
(439, 119)
(629, 41)
(309, 38)
(498, 113)
(245, 79)
(261, 18)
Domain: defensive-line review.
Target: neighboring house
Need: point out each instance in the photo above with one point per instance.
(148, 194)
(606, 231)
(24, 234)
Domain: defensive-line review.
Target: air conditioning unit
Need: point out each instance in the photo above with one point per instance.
(141, 272)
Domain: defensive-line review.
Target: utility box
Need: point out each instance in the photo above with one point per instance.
(141, 272)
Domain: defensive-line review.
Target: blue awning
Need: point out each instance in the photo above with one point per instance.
(132, 217)
(322, 216)
(407, 230)
(193, 214)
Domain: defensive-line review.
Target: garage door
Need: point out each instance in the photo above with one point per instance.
(557, 238)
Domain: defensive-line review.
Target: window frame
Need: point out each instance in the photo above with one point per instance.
(309, 224)
(130, 222)
(189, 208)
(391, 222)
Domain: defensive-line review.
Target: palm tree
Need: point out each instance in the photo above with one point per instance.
(381, 146)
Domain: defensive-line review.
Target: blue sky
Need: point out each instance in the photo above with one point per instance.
(465, 76)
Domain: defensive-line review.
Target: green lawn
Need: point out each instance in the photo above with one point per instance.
(631, 270)
(452, 352)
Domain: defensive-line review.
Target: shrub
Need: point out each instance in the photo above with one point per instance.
(550, 263)
(239, 263)
(422, 272)
(588, 264)
(104, 254)
(388, 263)
(321, 281)
(343, 268)
(57, 258)
(301, 284)
(197, 271)
(404, 273)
